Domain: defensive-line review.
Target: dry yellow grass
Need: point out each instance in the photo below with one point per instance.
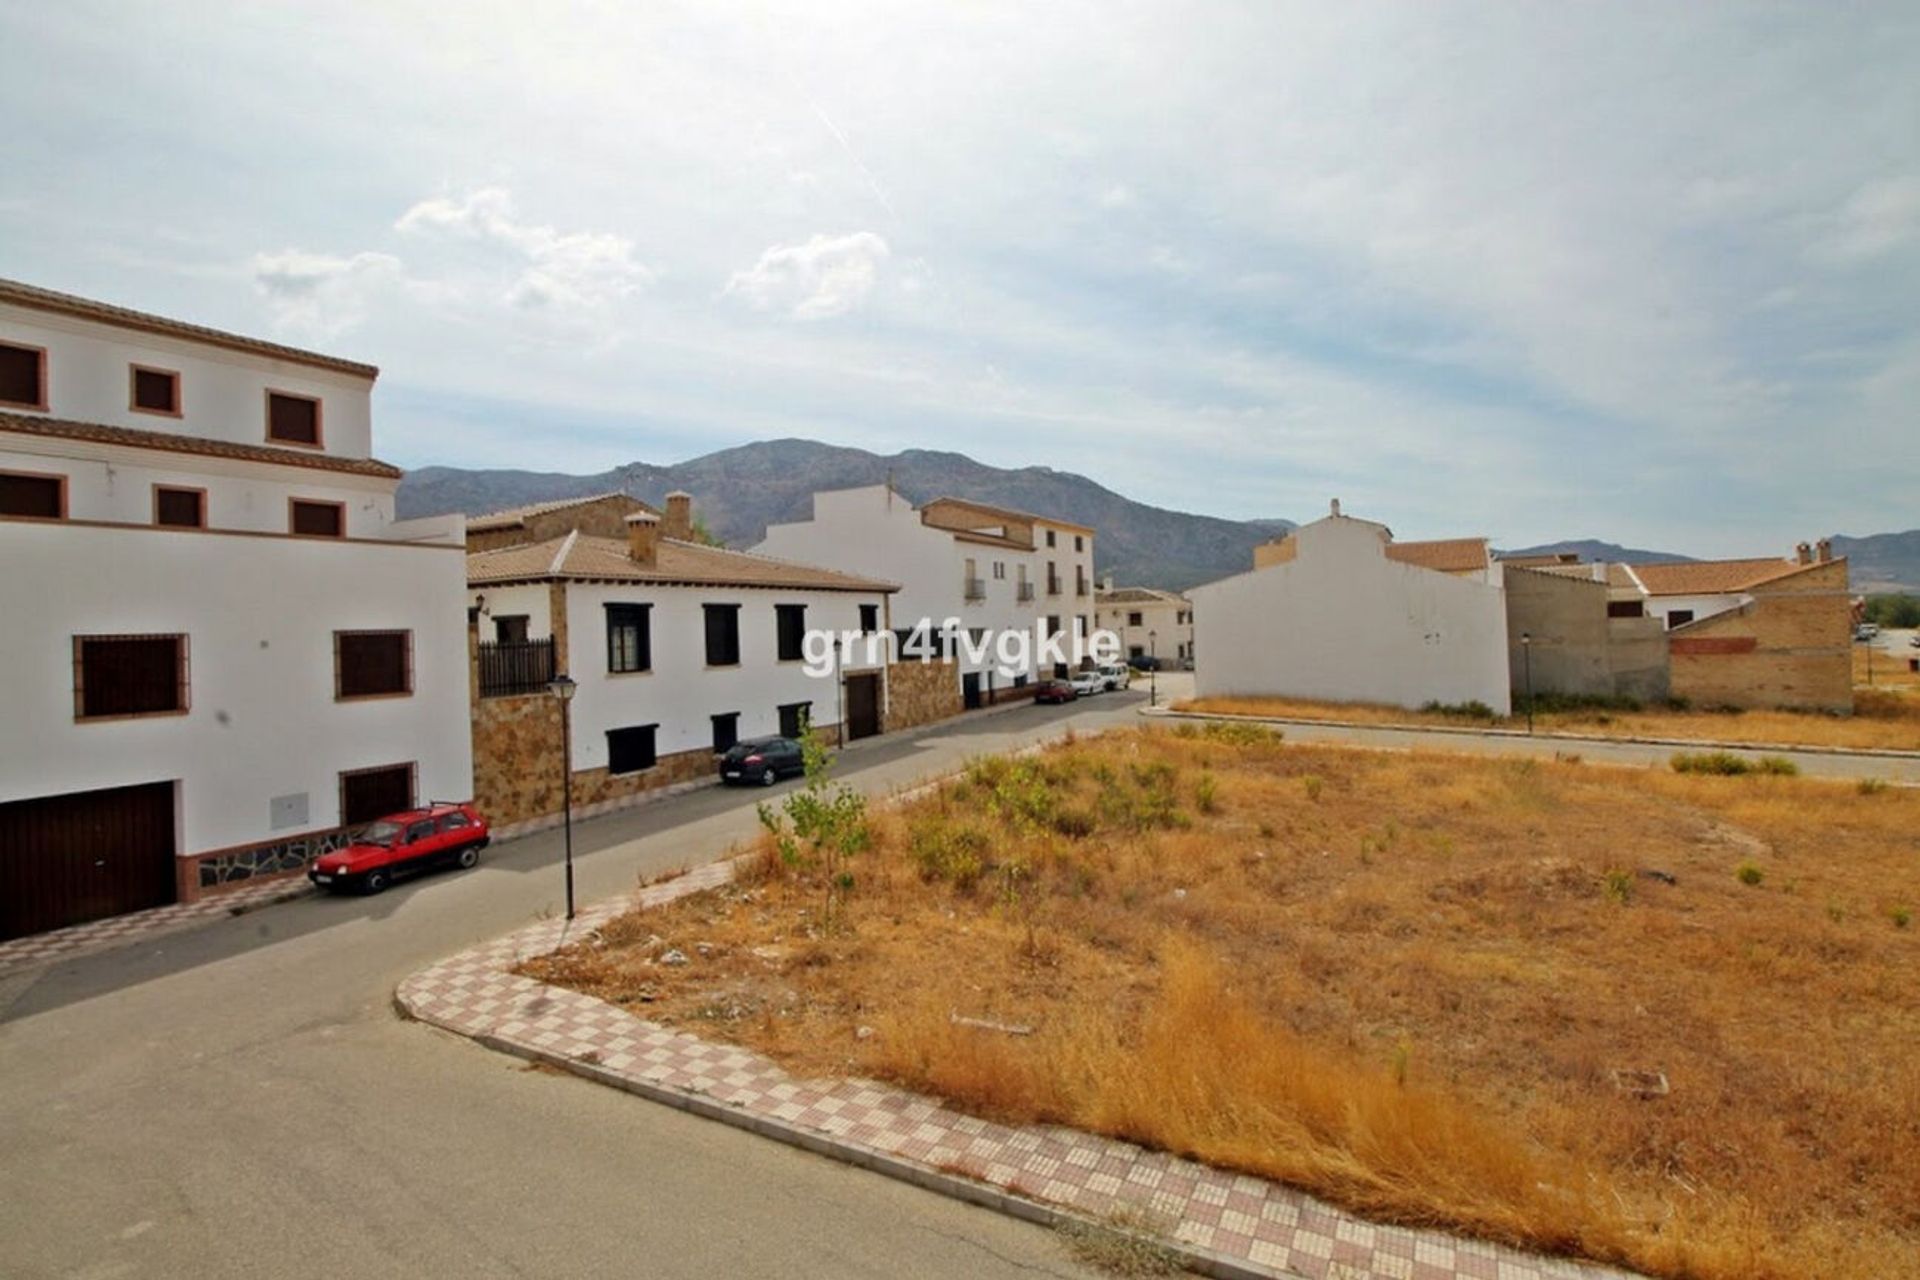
(1885, 670)
(1402, 981)
(1886, 718)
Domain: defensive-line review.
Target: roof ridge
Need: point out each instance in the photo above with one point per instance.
(203, 446)
(559, 565)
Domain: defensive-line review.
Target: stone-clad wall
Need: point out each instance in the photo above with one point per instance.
(919, 693)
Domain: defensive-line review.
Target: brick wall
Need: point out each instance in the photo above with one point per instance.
(605, 518)
(1790, 647)
(919, 693)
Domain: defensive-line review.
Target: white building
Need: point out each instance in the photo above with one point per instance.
(677, 650)
(1150, 623)
(1337, 616)
(221, 647)
(989, 568)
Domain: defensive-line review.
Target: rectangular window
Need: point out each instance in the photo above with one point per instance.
(293, 419)
(790, 622)
(793, 719)
(1050, 538)
(1079, 543)
(1133, 619)
(869, 619)
(33, 497)
(999, 570)
(23, 376)
(370, 794)
(1626, 608)
(629, 638)
(1053, 624)
(153, 391)
(630, 750)
(129, 676)
(1678, 618)
(372, 664)
(312, 519)
(723, 634)
(179, 508)
(511, 628)
(726, 731)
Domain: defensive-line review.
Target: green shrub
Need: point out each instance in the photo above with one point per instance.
(1075, 822)
(1779, 766)
(1206, 797)
(1474, 710)
(1620, 886)
(1872, 786)
(1721, 763)
(1240, 735)
(949, 851)
(1549, 702)
(1901, 917)
(1312, 785)
(1749, 874)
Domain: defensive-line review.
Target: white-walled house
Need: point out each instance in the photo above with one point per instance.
(222, 648)
(990, 568)
(676, 649)
(1341, 619)
(1150, 623)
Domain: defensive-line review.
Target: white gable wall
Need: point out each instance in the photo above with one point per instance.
(1341, 622)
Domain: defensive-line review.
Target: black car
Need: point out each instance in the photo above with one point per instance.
(761, 760)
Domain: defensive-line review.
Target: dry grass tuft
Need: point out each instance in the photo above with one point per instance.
(1412, 983)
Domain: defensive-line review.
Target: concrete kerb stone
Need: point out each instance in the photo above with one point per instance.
(1521, 735)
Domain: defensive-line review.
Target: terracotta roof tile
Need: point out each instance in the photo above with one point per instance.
(1711, 577)
(512, 516)
(135, 438)
(1138, 595)
(27, 295)
(1005, 513)
(580, 556)
(1448, 555)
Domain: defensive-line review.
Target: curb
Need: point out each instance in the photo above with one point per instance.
(1397, 726)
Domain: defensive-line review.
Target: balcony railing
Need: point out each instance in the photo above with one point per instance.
(1080, 587)
(1053, 586)
(512, 667)
(1024, 592)
(976, 589)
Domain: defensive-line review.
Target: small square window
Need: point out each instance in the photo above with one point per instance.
(129, 676)
(318, 519)
(33, 497)
(630, 750)
(794, 717)
(23, 376)
(372, 664)
(293, 419)
(869, 619)
(179, 508)
(155, 391)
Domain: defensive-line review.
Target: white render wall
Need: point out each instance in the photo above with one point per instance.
(1702, 606)
(260, 613)
(878, 534)
(1160, 617)
(1342, 622)
(222, 391)
(681, 693)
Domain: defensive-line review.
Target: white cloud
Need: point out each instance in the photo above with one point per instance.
(320, 296)
(1879, 217)
(571, 270)
(824, 276)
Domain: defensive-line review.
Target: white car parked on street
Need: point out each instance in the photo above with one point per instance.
(1087, 683)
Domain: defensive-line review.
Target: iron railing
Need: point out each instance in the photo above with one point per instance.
(510, 667)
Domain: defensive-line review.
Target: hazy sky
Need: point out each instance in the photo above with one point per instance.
(1644, 272)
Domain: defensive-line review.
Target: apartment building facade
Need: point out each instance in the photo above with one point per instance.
(676, 651)
(223, 649)
(988, 569)
(1150, 623)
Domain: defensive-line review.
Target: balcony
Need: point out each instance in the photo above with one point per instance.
(1080, 587)
(976, 589)
(513, 667)
(1053, 586)
(1024, 593)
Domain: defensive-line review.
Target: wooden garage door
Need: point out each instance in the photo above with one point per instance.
(863, 706)
(67, 859)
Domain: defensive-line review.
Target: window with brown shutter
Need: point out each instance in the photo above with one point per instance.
(155, 391)
(23, 376)
(370, 794)
(179, 508)
(33, 497)
(116, 676)
(293, 419)
(372, 664)
(318, 519)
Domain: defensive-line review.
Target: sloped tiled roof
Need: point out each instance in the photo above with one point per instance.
(27, 295)
(1448, 555)
(1137, 595)
(519, 515)
(1004, 513)
(583, 557)
(136, 438)
(1711, 577)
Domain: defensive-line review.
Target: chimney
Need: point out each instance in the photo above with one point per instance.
(679, 522)
(1106, 583)
(1336, 506)
(643, 538)
(1823, 550)
(1804, 553)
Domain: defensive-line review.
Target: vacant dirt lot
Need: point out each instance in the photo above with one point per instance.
(1658, 1020)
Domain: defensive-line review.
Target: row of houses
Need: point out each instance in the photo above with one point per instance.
(1338, 610)
(225, 652)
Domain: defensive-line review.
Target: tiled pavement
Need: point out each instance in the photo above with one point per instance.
(1227, 1225)
(114, 932)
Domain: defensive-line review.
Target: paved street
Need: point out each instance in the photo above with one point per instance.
(241, 1099)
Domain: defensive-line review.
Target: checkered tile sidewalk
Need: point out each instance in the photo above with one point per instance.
(1233, 1224)
(114, 932)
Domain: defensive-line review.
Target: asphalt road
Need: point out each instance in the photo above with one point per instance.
(241, 1099)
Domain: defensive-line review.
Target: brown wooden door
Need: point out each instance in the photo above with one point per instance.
(71, 858)
(863, 706)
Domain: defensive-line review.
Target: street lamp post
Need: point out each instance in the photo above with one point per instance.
(562, 687)
(1526, 647)
(1153, 670)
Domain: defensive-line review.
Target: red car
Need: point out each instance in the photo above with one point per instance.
(1054, 691)
(403, 843)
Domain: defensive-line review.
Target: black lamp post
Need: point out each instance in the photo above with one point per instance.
(1153, 670)
(562, 687)
(1526, 647)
